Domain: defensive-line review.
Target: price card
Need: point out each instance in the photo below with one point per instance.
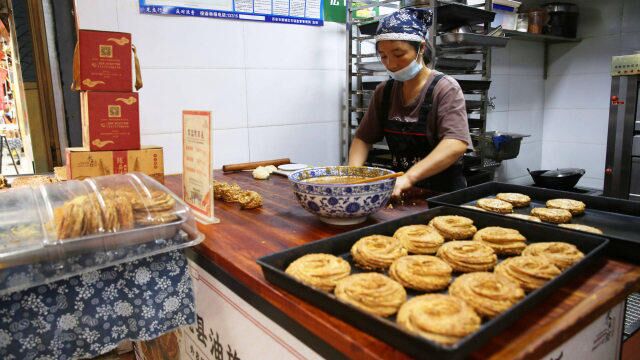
(197, 156)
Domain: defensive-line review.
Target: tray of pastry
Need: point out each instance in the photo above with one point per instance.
(48, 222)
(437, 284)
(617, 219)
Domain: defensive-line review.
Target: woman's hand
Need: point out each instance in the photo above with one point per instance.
(403, 183)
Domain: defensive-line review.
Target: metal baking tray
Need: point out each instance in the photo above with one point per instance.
(464, 40)
(98, 242)
(456, 64)
(453, 15)
(618, 219)
(274, 265)
(474, 85)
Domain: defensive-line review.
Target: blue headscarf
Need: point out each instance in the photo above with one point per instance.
(408, 24)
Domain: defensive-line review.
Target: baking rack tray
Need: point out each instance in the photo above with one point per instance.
(106, 241)
(618, 219)
(274, 265)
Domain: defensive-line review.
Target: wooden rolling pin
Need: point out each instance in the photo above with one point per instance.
(255, 164)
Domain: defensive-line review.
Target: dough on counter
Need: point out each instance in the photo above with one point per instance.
(261, 173)
(271, 168)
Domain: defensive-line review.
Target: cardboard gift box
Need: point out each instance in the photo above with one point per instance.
(102, 62)
(83, 163)
(110, 120)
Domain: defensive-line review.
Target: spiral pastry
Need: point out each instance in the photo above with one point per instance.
(503, 241)
(495, 205)
(580, 227)
(530, 272)
(372, 292)
(421, 272)
(454, 227)
(320, 271)
(438, 317)
(575, 207)
(487, 293)
(515, 199)
(556, 216)
(377, 252)
(468, 256)
(524, 217)
(560, 254)
(419, 239)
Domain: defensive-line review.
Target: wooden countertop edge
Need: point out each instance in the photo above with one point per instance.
(546, 339)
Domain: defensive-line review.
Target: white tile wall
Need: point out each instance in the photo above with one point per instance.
(599, 18)
(526, 58)
(307, 47)
(279, 97)
(498, 121)
(518, 88)
(584, 91)
(252, 76)
(526, 92)
(579, 85)
(630, 16)
(97, 15)
(167, 92)
(582, 57)
(500, 90)
(313, 144)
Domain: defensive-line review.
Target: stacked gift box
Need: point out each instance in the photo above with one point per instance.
(110, 110)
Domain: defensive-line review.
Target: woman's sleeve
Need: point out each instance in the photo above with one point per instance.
(370, 129)
(452, 113)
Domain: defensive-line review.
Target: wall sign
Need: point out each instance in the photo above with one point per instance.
(299, 12)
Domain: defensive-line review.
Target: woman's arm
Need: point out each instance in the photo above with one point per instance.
(446, 153)
(358, 152)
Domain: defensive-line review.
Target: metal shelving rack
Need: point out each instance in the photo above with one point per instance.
(364, 71)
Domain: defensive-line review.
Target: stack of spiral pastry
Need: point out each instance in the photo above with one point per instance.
(560, 254)
(503, 241)
(421, 272)
(377, 252)
(468, 256)
(487, 293)
(530, 272)
(321, 271)
(419, 239)
(453, 227)
(437, 317)
(372, 292)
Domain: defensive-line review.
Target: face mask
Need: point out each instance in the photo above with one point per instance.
(408, 72)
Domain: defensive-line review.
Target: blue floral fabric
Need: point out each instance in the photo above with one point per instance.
(89, 314)
(405, 24)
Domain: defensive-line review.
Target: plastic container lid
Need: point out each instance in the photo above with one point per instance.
(106, 214)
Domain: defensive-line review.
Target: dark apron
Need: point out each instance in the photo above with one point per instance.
(410, 142)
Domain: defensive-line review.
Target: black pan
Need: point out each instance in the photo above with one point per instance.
(559, 179)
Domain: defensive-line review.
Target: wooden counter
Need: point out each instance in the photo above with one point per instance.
(245, 235)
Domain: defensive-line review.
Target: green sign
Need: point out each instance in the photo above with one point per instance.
(335, 11)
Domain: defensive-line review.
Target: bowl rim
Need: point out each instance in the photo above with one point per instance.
(340, 185)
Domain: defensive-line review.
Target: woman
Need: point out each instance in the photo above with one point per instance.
(421, 112)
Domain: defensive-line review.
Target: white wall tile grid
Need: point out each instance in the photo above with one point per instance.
(576, 105)
(260, 81)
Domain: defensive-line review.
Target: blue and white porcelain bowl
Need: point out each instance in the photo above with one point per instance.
(342, 204)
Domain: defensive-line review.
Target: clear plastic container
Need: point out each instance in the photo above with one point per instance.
(66, 228)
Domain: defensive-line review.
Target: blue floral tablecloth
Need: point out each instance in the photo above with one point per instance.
(89, 314)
